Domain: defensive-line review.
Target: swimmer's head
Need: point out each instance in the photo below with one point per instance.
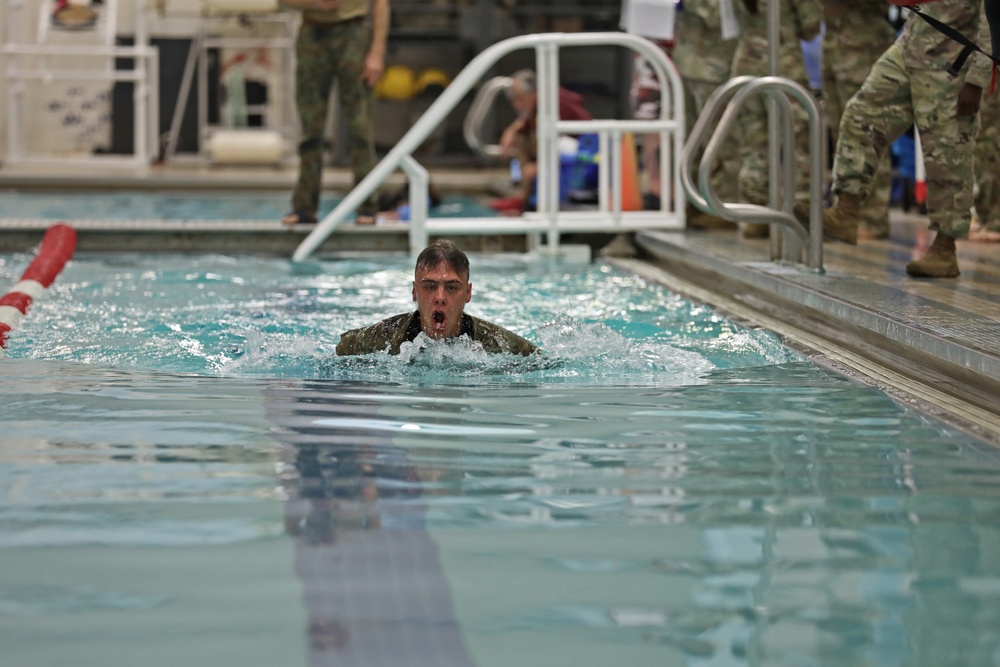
(441, 288)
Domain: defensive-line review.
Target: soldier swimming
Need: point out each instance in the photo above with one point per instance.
(441, 288)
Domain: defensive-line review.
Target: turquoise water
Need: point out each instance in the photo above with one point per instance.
(188, 476)
(145, 205)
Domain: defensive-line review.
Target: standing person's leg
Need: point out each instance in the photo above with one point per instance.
(987, 228)
(754, 173)
(726, 169)
(313, 79)
(948, 143)
(358, 102)
(850, 48)
(833, 101)
(874, 117)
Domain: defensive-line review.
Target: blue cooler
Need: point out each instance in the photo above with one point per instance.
(577, 172)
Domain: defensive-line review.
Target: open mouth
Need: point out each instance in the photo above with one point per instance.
(438, 318)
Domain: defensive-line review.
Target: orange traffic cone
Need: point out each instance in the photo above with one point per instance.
(631, 190)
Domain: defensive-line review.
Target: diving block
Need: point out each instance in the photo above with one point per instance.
(246, 146)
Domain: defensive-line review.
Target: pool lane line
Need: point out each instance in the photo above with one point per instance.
(56, 249)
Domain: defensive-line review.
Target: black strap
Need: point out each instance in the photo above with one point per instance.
(993, 18)
(948, 31)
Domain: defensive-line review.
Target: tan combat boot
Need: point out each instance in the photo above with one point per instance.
(696, 219)
(760, 230)
(939, 262)
(710, 222)
(756, 230)
(840, 223)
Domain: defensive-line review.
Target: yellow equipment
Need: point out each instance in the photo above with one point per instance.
(432, 82)
(398, 82)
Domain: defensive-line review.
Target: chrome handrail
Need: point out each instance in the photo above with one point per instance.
(478, 110)
(741, 90)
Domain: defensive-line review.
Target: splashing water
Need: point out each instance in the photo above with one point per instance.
(221, 316)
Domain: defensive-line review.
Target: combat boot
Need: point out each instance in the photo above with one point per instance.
(699, 220)
(939, 262)
(756, 230)
(840, 223)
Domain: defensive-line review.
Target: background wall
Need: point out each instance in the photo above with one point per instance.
(80, 116)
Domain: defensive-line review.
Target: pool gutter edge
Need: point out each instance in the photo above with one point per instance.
(940, 377)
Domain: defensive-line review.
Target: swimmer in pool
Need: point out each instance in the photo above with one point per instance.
(441, 288)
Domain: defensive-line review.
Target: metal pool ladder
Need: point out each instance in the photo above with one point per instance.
(548, 219)
(807, 243)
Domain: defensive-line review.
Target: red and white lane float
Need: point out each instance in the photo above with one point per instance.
(57, 247)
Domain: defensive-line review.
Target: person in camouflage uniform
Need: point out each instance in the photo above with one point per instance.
(441, 288)
(799, 20)
(987, 225)
(704, 56)
(910, 85)
(336, 42)
(857, 33)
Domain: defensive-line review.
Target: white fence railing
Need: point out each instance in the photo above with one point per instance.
(548, 219)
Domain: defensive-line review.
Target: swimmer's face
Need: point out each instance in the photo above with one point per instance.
(441, 294)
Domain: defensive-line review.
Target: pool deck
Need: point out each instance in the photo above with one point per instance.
(934, 344)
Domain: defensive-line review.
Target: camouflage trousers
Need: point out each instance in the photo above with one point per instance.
(988, 164)
(327, 55)
(849, 49)
(754, 169)
(752, 58)
(727, 167)
(893, 98)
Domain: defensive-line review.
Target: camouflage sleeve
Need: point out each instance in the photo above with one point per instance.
(496, 339)
(349, 344)
(808, 18)
(517, 345)
(383, 335)
(707, 11)
(980, 68)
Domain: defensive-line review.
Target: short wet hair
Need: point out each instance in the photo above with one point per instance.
(443, 251)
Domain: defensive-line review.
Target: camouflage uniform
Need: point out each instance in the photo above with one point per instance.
(328, 52)
(988, 165)
(857, 33)
(909, 84)
(391, 333)
(799, 20)
(703, 60)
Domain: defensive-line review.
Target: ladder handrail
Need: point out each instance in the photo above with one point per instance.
(546, 46)
(741, 89)
(481, 104)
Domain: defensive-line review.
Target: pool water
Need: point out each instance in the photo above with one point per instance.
(189, 476)
(152, 205)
